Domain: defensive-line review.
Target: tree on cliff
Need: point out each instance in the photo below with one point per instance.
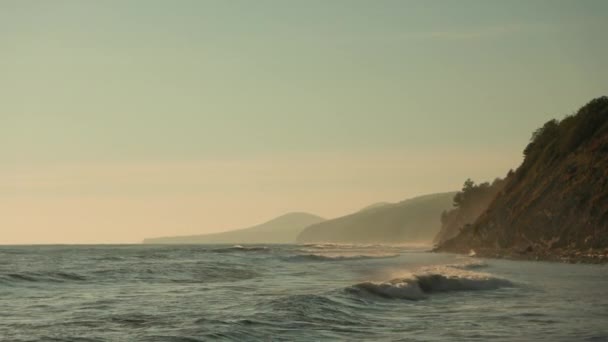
(469, 203)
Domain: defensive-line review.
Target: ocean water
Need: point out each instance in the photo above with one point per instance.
(292, 293)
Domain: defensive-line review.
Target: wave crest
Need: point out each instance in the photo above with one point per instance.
(469, 265)
(431, 280)
(239, 248)
(33, 277)
(338, 257)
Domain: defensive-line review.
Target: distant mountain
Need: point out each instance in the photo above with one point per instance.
(413, 220)
(555, 205)
(375, 206)
(283, 229)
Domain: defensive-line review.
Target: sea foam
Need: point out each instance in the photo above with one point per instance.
(239, 248)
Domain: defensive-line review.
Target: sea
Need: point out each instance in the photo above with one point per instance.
(314, 292)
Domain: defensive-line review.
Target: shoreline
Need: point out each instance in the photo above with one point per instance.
(569, 256)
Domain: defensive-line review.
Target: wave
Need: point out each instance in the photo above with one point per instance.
(338, 257)
(184, 273)
(327, 245)
(469, 265)
(429, 281)
(110, 258)
(239, 248)
(194, 273)
(320, 308)
(332, 245)
(34, 277)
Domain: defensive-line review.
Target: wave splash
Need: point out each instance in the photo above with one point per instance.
(431, 280)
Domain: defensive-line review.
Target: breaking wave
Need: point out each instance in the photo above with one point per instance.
(469, 265)
(325, 245)
(431, 280)
(338, 257)
(239, 248)
(332, 245)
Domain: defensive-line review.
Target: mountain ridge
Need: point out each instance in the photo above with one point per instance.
(412, 220)
(281, 229)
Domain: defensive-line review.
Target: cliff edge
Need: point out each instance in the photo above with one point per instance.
(555, 205)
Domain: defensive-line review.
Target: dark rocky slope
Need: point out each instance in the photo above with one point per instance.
(555, 205)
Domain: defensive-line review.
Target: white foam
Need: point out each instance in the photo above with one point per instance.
(239, 248)
(469, 264)
(397, 288)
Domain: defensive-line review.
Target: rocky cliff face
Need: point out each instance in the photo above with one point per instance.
(555, 205)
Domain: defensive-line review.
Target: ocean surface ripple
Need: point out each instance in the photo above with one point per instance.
(292, 293)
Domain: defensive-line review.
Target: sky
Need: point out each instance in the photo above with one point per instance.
(121, 120)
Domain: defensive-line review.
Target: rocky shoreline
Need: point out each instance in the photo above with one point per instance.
(570, 256)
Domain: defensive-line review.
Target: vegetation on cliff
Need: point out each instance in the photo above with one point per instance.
(469, 203)
(556, 202)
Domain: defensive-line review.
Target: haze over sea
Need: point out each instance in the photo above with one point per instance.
(292, 292)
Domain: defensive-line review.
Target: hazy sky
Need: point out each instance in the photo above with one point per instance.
(121, 120)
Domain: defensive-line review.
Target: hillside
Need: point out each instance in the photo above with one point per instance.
(469, 203)
(283, 229)
(413, 220)
(555, 205)
(375, 206)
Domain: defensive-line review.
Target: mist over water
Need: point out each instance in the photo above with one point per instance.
(292, 292)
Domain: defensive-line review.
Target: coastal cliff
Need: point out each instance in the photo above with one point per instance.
(555, 205)
(469, 203)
